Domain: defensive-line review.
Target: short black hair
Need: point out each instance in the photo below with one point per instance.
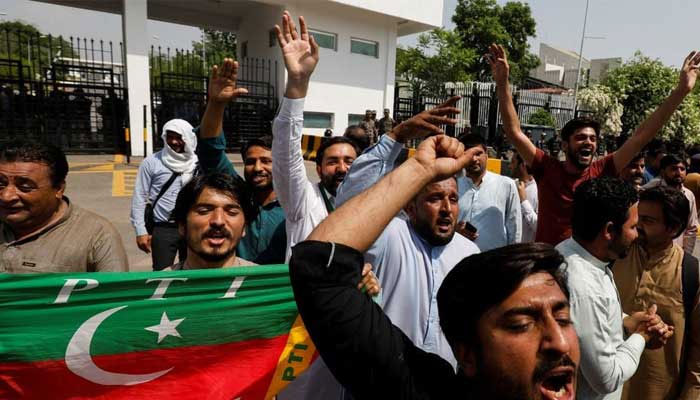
(655, 147)
(482, 281)
(470, 140)
(578, 123)
(36, 152)
(263, 141)
(636, 158)
(672, 159)
(362, 141)
(675, 206)
(599, 201)
(328, 142)
(232, 185)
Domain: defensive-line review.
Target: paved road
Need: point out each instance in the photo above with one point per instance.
(101, 185)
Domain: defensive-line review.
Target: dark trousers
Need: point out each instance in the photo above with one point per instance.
(165, 244)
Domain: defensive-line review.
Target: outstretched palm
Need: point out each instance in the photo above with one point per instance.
(689, 71)
(300, 51)
(498, 61)
(222, 84)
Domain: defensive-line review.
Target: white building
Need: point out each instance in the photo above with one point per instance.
(358, 54)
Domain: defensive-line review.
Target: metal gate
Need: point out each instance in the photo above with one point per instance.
(69, 93)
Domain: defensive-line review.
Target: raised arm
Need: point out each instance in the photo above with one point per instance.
(379, 159)
(648, 129)
(500, 70)
(222, 90)
(359, 222)
(300, 53)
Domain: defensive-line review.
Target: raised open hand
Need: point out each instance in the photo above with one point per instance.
(222, 83)
(443, 156)
(689, 72)
(427, 122)
(300, 51)
(498, 61)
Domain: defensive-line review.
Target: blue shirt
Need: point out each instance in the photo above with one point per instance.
(493, 208)
(265, 240)
(152, 175)
(409, 269)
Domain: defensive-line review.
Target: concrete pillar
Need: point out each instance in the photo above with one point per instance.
(390, 72)
(134, 16)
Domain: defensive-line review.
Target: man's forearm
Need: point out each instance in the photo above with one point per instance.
(369, 212)
(296, 88)
(212, 120)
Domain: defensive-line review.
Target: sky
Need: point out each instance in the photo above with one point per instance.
(660, 29)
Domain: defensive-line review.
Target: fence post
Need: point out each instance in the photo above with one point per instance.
(493, 116)
(474, 108)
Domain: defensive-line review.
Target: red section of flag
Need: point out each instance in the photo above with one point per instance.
(227, 371)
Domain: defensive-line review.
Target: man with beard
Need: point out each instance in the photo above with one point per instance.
(657, 271)
(305, 204)
(266, 240)
(556, 180)
(412, 256)
(504, 312)
(488, 202)
(604, 228)
(633, 173)
(672, 174)
(160, 178)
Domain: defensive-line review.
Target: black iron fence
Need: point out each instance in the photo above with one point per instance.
(66, 91)
(480, 110)
(179, 82)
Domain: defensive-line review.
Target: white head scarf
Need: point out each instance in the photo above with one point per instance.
(186, 162)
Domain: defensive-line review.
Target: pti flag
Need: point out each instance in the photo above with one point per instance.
(230, 333)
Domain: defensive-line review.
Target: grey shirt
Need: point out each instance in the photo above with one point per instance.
(80, 241)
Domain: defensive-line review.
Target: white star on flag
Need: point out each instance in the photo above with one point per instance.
(166, 327)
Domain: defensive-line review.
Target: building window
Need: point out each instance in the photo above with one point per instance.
(366, 47)
(272, 38)
(326, 40)
(244, 49)
(355, 119)
(318, 120)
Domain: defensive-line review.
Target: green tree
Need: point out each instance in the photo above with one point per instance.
(480, 23)
(438, 58)
(640, 85)
(219, 45)
(21, 42)
(542, 117)
(604, 107)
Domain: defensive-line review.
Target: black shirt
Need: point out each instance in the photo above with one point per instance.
(367, 354)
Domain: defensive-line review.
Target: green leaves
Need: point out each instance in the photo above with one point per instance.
(542, 117)
(640, 85)
(479, 23)
(437, 59)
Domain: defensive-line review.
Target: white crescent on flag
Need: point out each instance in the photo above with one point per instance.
(79, 360)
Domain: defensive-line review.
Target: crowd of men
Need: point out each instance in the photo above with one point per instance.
(574, 279)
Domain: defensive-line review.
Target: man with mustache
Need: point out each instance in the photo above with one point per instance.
(504, 313)
(266, 239)
(672, 174)
(305, 204)
(604, 228)
(488, 201)
(633, 173)
(657, 271)
(556, 180)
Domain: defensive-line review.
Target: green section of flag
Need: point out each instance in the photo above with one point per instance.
(33, 328)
